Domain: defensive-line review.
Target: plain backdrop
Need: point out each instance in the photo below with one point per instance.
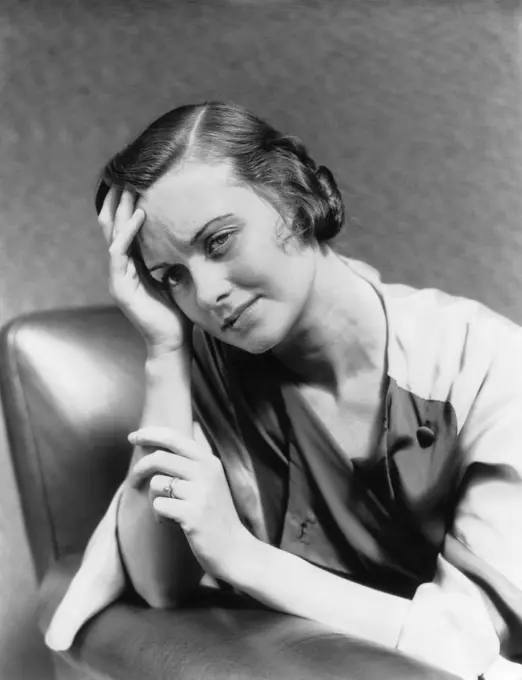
(415, 107)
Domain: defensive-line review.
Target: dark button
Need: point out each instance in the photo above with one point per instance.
(303, 527)
(425, 436)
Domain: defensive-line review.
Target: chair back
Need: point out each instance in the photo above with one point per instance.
(72, 388)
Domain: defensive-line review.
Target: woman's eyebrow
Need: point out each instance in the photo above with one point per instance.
(196, 237)
(200, 232)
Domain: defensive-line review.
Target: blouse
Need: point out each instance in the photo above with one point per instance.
(433, 516)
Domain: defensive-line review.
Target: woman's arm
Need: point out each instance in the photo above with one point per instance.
(290, 584)
(158, 559)
(446, 623)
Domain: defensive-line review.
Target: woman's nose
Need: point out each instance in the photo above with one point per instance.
(211, 285)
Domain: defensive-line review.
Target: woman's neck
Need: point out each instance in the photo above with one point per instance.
(341, 333)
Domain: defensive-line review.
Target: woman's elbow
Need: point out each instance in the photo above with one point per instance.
(161, 597)
(160, 600)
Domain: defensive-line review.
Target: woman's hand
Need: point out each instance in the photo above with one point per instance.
(203, 505)
(162, 324)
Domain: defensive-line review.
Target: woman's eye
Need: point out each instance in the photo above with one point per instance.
(220, 241)
(171, 277)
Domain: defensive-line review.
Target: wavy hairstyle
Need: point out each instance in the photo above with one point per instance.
(276, 165)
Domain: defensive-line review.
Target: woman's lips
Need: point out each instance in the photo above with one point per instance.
(233, 322)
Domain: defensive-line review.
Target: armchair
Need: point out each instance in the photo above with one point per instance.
(71, 383)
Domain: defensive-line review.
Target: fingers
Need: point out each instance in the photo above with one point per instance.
(108, 211)
(124, 210)
(127, 220)
(119, 220)
(161, 463)
(165, 438)
(171, 508)
(124, 233)
(161, 485)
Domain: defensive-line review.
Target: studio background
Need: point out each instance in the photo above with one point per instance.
(415, 107)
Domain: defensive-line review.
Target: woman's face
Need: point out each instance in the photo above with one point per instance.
(216, 245)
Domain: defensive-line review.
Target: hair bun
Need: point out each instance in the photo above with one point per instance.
(334, 220)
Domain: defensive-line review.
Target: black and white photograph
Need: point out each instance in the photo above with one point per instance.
(260, 340)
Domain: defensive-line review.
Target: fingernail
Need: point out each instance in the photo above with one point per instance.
(132, 437)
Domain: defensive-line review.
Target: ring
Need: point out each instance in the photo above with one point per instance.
(169, 490)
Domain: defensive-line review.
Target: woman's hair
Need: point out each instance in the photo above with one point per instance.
(276, 165)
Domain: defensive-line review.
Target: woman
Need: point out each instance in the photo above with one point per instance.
(337, 448)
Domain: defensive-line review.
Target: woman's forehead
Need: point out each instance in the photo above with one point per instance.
(183, 200)
(179, 204)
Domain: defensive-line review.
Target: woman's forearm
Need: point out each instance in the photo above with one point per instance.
(157, 556)
(289, 584)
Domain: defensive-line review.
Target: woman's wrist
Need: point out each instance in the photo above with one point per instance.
(161, 362)
(240, 559)
(157, 352)
(168, 391)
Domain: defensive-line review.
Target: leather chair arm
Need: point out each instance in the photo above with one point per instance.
(218, 636)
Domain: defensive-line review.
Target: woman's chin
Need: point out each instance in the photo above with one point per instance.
(255, 332)
(258, 339)
(264, 339)
(253, 343)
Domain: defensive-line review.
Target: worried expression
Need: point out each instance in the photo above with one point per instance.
(216, 246)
